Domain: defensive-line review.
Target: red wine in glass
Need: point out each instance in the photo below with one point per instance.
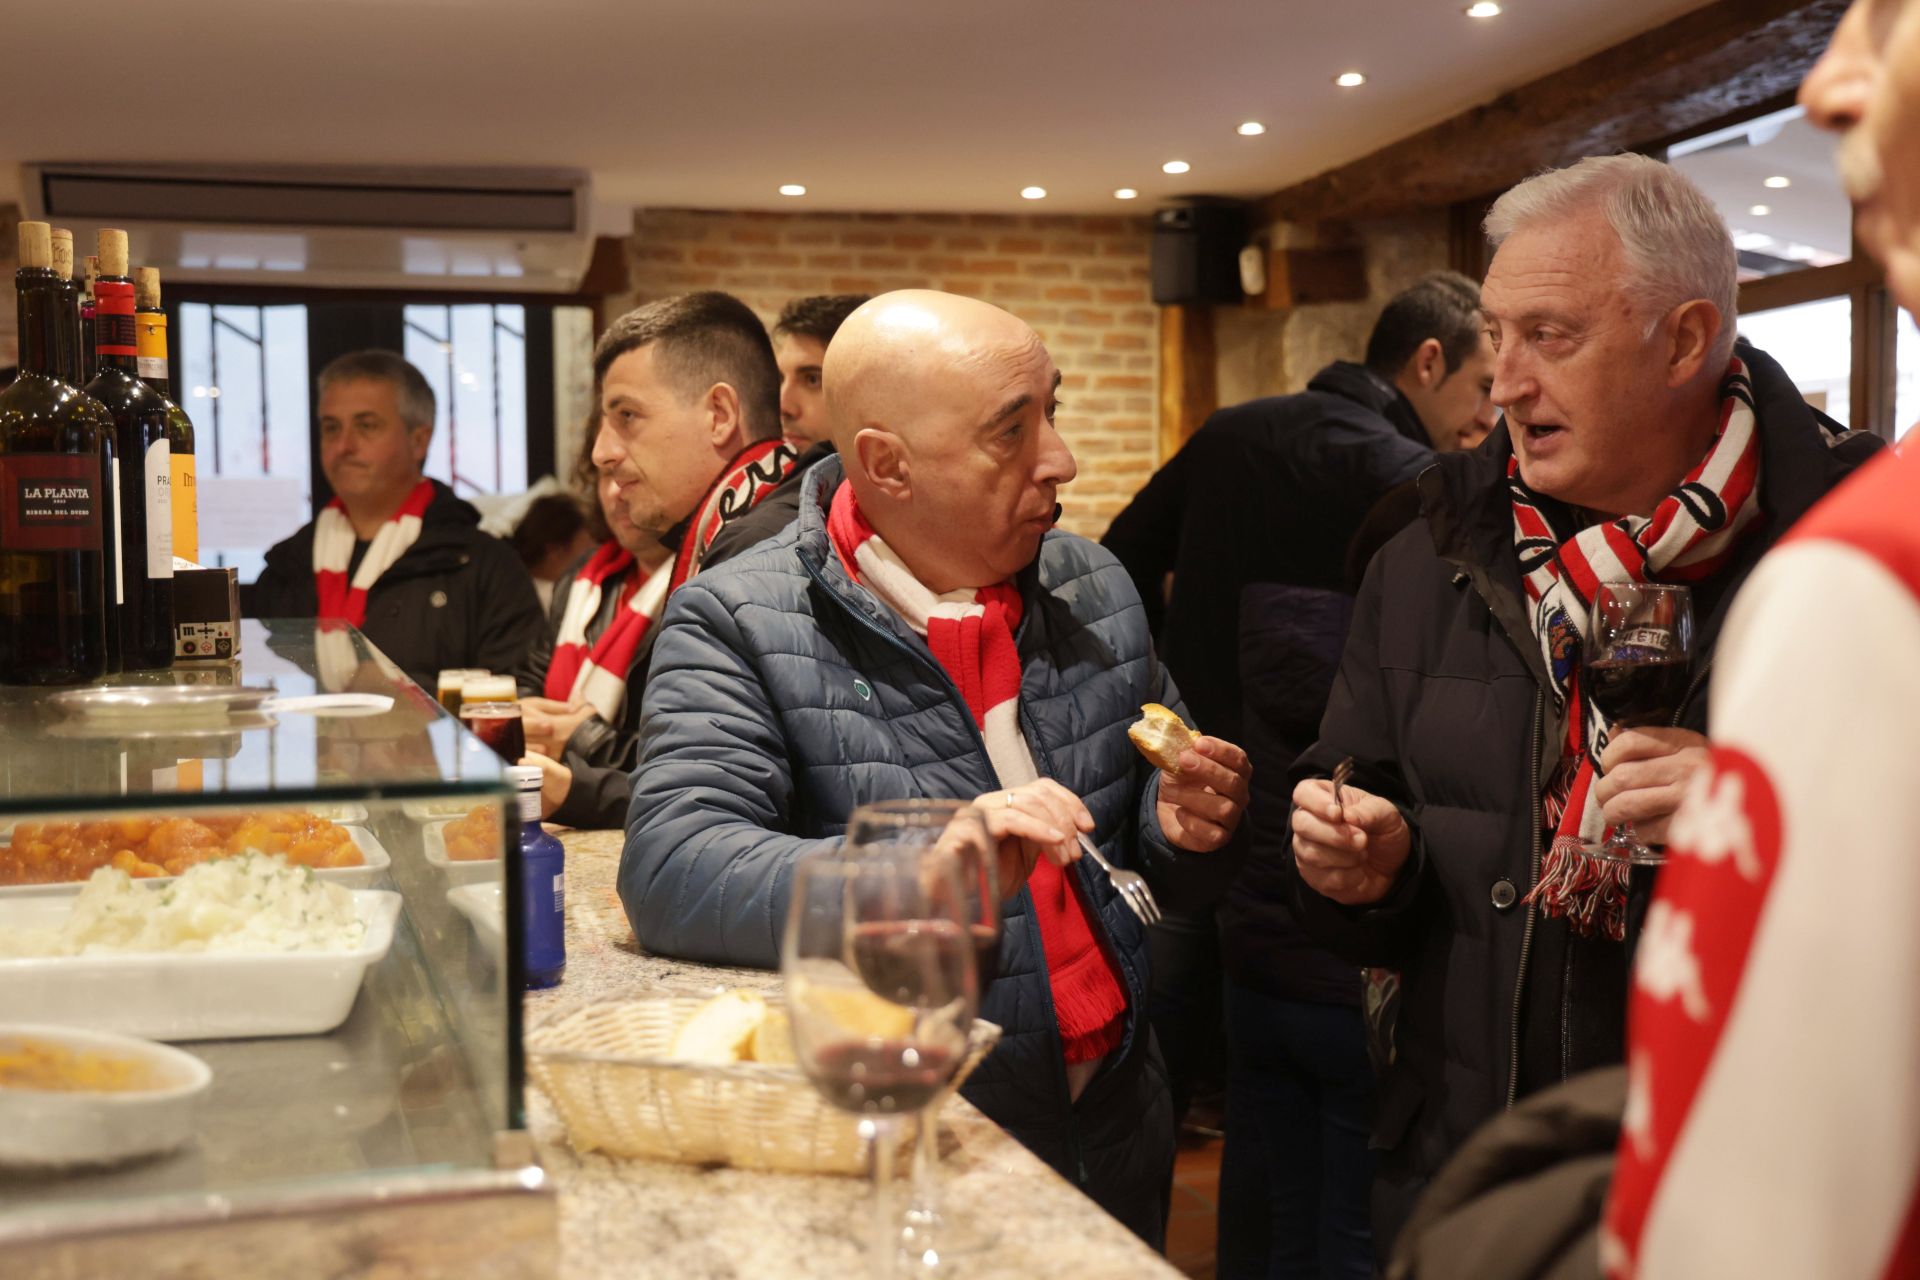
(1635, 693)
(891, 1077)
(986, 952)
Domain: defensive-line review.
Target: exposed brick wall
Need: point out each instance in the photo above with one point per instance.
(1080, 282)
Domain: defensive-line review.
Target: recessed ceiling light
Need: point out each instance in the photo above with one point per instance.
(1778, 183)
(1125, 193)
(1484, 9)
(1760, 210)
(793, 189)
(1175, 166)
(1252, 129)
(1033, 193)
(1349, 79)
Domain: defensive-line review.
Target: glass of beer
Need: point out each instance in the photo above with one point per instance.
(449, 686)
(498, 725)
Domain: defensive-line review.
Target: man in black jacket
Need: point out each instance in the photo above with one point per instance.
(1635, 434)
(395, 554)
(1252, 518)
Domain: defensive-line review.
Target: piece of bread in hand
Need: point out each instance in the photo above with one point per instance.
(1161, 736)
(720, 1030)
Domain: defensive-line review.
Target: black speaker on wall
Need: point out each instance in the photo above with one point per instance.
(1196, 252)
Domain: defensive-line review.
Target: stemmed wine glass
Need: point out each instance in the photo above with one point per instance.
(882, 989)
(957, 830)
(1639, 651)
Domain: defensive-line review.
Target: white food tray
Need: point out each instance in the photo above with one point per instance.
(191, 996)
(361, 877)
(428, 811)
(484, 906)
(478, 871)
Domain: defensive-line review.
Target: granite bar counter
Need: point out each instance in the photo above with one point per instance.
(639, 1218)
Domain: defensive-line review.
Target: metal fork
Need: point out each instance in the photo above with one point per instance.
(1131, 887)
(1342, 772)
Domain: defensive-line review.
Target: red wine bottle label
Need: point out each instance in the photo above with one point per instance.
(114, 332)
(50, 502)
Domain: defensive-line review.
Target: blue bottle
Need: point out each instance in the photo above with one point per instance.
(543, 879)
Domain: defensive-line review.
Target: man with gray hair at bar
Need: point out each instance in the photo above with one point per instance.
(1640, 444)
(394, 553)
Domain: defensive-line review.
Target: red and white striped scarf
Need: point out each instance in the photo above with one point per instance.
(970, 633)
(597, 674)
(333, 541)
(1687, 539)
(753, 474)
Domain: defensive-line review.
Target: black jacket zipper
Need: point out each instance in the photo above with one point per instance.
(1533, 879)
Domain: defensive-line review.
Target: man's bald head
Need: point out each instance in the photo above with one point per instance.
(900, 349)
(942, 410)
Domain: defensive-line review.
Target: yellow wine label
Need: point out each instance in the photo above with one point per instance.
(186, 507)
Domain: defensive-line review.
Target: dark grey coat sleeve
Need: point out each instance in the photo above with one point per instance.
(707, 866)
(1358, 723)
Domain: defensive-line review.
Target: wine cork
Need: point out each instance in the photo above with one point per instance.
(113, 253)
(146, 288)
(63, 253)
(36, 245)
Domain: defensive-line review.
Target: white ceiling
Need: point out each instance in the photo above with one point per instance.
(873, 104)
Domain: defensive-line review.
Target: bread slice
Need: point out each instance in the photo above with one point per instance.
(1161, 736)
(721, 1029)
(772, 1041)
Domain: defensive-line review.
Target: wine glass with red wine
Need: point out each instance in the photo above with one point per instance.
(882, 986)
(1639, 655)
(957, 830)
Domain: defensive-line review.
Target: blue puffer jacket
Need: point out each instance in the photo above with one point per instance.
(783, 695)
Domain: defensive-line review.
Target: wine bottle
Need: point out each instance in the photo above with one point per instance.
(151, 321)
(88, 362)
(53, 492)
(145, 622)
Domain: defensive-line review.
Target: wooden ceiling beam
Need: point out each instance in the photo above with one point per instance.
(1729, 56)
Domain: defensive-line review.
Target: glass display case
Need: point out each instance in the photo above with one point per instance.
(372, 1069)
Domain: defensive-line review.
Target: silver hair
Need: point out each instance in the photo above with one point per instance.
(411, 390)
(1676, 243)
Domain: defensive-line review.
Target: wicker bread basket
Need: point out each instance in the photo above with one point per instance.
(604, 1066)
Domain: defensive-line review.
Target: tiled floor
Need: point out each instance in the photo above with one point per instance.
(1196, 1189)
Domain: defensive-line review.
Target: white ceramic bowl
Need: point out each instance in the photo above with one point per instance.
(46, 1129)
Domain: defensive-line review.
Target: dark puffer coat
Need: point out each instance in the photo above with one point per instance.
(457, 598)
(783, 695)
(1441, 700)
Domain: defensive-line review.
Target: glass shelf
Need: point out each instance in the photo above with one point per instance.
(423, 1073)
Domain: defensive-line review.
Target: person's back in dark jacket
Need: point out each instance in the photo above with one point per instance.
(457, 598)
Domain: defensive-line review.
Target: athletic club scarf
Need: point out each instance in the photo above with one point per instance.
(596, 674)
(1687, 539)
(971, 636)
(333, 551)
(753, 474)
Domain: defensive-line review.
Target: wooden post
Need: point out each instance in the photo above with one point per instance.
(1189, 389)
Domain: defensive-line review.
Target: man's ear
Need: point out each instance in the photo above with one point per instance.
(419, 439)
(1428, 364)
(883, 456)
(1691, 330)
(727, 429)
